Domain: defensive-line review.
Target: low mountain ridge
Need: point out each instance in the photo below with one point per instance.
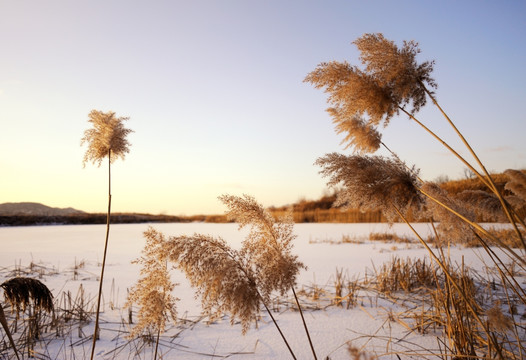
(37, 209)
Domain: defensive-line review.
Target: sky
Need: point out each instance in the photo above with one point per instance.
(215, 95)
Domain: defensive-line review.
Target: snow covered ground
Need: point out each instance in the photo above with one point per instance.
(69, 256)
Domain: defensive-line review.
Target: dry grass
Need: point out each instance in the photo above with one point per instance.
(153, 292)
(391, 80)
(404, 275)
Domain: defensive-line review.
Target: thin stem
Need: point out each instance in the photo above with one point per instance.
(157, 342)
(304, 323)
(476, 226)
(277, 327)
(491, 183)
(96, 331)
(464, 161)
(3, 321)
(451, 280)
(244, 271)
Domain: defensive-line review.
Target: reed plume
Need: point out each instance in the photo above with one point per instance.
(223, 279)
(451, 228)
(391, 80)
(268, 244)
(484, 204)
(372, 182)
(153, 291)
(107, 137)
(365, 137)
(396, 69)
(233, 281)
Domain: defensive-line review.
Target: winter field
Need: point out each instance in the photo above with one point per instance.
(372, 323)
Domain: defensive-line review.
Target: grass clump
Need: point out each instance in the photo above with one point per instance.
(404, 275)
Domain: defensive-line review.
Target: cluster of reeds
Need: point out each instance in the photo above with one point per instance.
(345, 289)
(25, 295)
(406, 275)
(390, 82)
(237, 282)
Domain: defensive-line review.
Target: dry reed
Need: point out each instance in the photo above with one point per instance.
(390, 81)
(153, 291)
(238, 282)
(372, 182)
(106, 138)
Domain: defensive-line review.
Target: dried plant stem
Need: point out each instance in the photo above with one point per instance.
(453, 282)
(269, 228)
(304, 323)
(157, 342)
(508, 277)
(96, 330)
(464, 161)
(277, 327)
(488, 181)
(476, 226)
(491, 185)
(3, 321)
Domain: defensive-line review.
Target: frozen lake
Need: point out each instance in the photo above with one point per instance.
(64, 248)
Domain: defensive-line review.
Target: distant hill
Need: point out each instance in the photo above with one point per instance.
(35, 209)
(30, 213)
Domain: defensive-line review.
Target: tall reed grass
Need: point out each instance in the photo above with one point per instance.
(106, 138)
(390, 82)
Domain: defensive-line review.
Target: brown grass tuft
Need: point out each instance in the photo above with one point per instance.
(21, 292)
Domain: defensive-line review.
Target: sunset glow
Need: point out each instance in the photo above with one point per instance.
(215, 95)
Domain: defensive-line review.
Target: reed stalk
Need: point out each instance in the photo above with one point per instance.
(96, 331)
(490, 183)
(453, 282)
(3, 321)
(107, 138)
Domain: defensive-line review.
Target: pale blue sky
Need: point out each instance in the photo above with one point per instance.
(215, 94)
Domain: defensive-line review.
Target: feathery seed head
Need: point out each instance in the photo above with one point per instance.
(268, 245)
(392, 79)
(484, 204)
(372, 182)
(233, 281)
(221, 277)
(517, 183)
(396, 69)
(153, 291)
(106, 137)
(451, 228)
